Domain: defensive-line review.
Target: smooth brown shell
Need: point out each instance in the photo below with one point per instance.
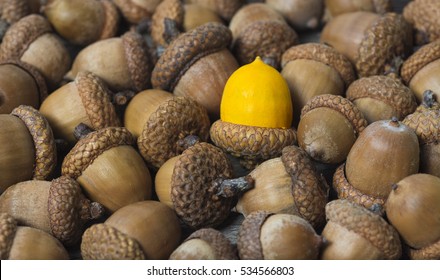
(136, 11)
(225, 8)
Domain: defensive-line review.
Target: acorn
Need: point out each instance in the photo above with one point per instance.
(162, 123)
(197, 65)
(259, 30)
(141, 230)
(381, 98)
(353, 232)
(57, 207)
(85, 100)
(330, 71)
(418, 71)
(28, 148)
(288, 184)
(374, 40)
(199, 185)
(167, 22)
(268, 236)
(413, 208)
(225, 8)
(196, 15)
(20, 84)
(423, 16)
(27, 243)
(426, 123)
(122, 62)
(32, 40)
(205, 244)
(82, 22)
(108, 168)
(338, 7)
(300, 14)
(383, 145)
(138, 10)
(329, 126)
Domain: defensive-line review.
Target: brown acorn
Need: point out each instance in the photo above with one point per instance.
(194, 58)
(57, 207)
(27, 243)
(329, 126)
(108, 168)
(337, 7)
(196, 15)
(384, 153)
(198, 185)
(32, 41)
(205, 244)
(162, 124)
(353, 232)
(381, 98)
(225, 8)
(137, 10)
(20, 84)
(423, 16)
(330, 71)
(269, 236)
(413, 208)
(369, 40)
(167, 22)
(300, 14)
(289, 184)
(27, 149)
(141, 230)
(82, 22)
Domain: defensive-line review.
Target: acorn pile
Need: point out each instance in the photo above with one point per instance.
(111, 148)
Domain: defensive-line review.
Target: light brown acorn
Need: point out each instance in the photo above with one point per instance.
(141, 230)
(423, 16)
(27, 149)
(135, 11)
(337, 7)
(225, 8)
(57, 207)
(196, 15)
(27, 243)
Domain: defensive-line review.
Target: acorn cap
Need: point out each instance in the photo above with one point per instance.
(430, 252)
(251, 144)
(382, 6)
(389, 36)
(35, 74)
(95, 97)
(222, 246)
(13, 10)
(103, 242)
(87, 149)
(386, 89)
(341, 105)
(133, 12)
(21, 34)
(168, 9)
(45, 148)
(248, 241)
(423, 15)
(185, 50)
(419, 59)
(193, 186)
(138, 60)
(309, 188)
(69, 210)
(324, 54)
(173, 120)
(267, 39)
(111, 22)
(367, 224)
(8, 227)
(346, 191)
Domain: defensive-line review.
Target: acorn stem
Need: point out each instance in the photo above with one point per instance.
(187, 141)
(3, 28)
(394, 121)
(428, 98)
(393, 68)
(82, 130)
(270, 61)
(233, 187)
(91, 210)
(171, 30)
(122, 98)
(394, 187)
(377, 209)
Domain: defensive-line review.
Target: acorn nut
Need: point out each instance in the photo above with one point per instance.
(135, 11)
(337, 7)
(167, 22)
(423, 16)
(225, 8)
(196, 15)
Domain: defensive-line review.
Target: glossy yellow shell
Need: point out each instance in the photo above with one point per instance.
(257, 95)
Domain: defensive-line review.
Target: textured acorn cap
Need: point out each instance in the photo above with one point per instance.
(8, 227)
(193, 186)
(386, 89)
(173, 120)
(324, 54)
(309, 188)
(419, 59)
(95, 97)
(103, 242)
(268, 39)
(251, 144)
(248, 241)
(21, 34)
(87, 149)
(133, 12)
(168, 9)
(367, 224)
(45, 148)
(423, 15)
(430, 252)
(185, 50)
(111, 22)
(13, 10)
